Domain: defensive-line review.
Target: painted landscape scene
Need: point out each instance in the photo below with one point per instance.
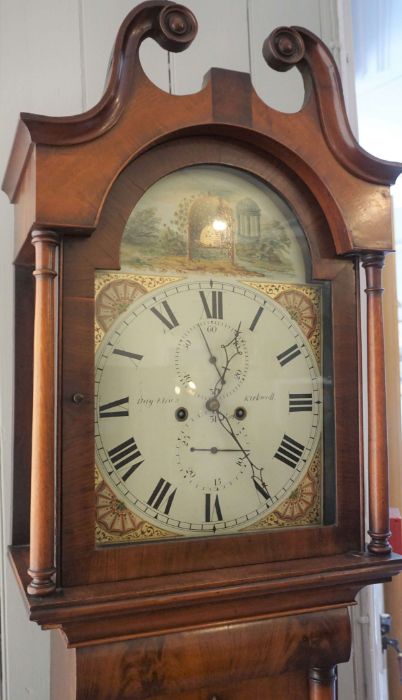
(216, 219)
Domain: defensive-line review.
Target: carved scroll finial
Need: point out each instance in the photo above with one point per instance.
(178, 27)
(294, 46)
(172, 26)
(283, 49)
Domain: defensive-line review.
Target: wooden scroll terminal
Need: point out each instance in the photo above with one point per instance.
(377, 415)
(41, 565)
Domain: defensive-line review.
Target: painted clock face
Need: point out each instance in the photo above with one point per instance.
(208, 406)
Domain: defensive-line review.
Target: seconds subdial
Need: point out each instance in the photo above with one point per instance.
(211, 358)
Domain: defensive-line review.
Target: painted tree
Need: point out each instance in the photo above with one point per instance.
(143, 226)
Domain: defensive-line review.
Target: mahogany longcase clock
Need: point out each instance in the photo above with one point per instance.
(189, 503)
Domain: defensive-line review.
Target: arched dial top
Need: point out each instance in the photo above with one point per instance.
(208, 407)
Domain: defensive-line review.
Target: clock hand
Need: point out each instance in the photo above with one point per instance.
(256, 471)
(212, 357)
(214, 450)
(218, 389)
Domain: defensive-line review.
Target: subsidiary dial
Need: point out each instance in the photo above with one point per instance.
(211, 358)
(207, 457)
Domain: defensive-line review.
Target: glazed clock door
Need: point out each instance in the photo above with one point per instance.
(216, 302)
(209, 366)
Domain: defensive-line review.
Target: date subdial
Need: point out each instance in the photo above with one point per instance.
(209, 459)
(211, 358)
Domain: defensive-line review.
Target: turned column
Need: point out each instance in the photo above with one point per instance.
(323, 682)
(377, 416)
(42, 531)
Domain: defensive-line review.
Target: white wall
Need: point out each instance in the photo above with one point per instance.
(53, 58)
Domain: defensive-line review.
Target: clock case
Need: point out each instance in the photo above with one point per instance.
(74, 181)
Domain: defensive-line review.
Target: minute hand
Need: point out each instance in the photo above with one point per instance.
(256, 471)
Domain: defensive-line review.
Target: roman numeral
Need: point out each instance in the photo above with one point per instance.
(260, 486)
(126, 353)
(162, 495)
(288, 355)
(256, 318)
(215, 309)
(127, 455)
(106, 411)
(170, 320)
(289, 451)
(300, 402)
(212, 508)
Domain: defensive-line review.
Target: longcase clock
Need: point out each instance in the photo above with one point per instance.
(189, 433)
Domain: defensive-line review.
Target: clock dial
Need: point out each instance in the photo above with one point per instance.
(208, 406)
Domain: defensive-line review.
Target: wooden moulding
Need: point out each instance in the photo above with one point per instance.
(42, 556)
(377, 415)
(104, 612)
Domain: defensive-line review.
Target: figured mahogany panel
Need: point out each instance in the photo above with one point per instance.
(191, 660)
(290, 685)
